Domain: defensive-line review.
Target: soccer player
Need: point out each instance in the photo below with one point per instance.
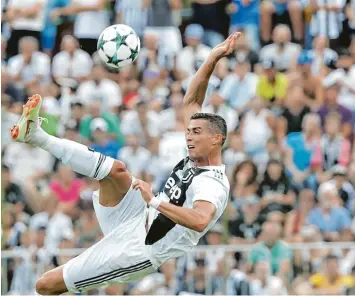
(193, 199)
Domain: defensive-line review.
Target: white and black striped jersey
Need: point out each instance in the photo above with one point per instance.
(166, 239)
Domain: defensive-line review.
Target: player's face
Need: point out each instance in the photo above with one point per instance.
(200, 139)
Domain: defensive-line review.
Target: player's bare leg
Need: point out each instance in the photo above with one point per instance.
(114, 178)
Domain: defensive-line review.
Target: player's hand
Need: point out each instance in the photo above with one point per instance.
(145, 190)
(226, 47)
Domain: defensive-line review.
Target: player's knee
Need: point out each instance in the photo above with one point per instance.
(118, 169)
(267, 7)
(47, 285)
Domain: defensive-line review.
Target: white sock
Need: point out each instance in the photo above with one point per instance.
(76, 156)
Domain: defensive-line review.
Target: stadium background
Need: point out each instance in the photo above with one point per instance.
(287, 94)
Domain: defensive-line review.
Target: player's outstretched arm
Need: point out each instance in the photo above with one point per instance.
(196, 218)
(196, 91)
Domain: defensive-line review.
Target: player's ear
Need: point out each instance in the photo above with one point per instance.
(218, 138)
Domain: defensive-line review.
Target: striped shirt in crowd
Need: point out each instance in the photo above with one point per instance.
(133, 14)
(328, 23)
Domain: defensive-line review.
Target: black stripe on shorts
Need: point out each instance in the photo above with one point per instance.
(111, 275)
(99, 164)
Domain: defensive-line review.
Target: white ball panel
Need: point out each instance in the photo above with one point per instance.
(124, 63)
(132, 41)
(110, 48)
(103, 56)
(109, 34)
(123, 30)
(123, 52)
(112, 65)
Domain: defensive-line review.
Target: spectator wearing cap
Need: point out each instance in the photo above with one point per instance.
(332, 148)
(273, 250)
(203, 13)
(272, 85)
(195, 53)
(91, 19)
(332, 219)
(239, 88)
(71, 62)
(113, 124)
(293, 113)
(345, 189)
(331, 104)
(27, 18)
(246, 228)
(100, 88)
(102, 143)
(152, 55)
(244, 15)
(282, 50)
(135, 156)
(161, 21)
(30, 66)
(330, 280)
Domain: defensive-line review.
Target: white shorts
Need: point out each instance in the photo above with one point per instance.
(120, 257)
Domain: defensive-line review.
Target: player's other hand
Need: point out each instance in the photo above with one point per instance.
(226, 47)
(145, 190)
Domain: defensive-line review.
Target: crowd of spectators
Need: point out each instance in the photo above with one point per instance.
(287, 94)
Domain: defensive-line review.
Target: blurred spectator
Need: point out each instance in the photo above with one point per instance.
(237, 283)
(272, 85)
(161, 21)
(282, 51)
(244, 51)
(30, 66)
(91, 20)
(274, 189)
(27, 18)
(234, 153)
(297, 218)
(141, 122)
(332, 148)
(191, 57)
(330, 281)
(244, 16)
(100, 88)
(264, 283)
(71, 62)
(331, 105)
(204, 12)
(135, 156)
(113, 124)
(133, 14)
(273, 250)
(293, 113)
(87, 228)
(102, 142)
(239, 88)
(219, 106)
(322, 54)
(256, 128)
(332, 219)
(247, 227)
(151, 55)
(269, 8)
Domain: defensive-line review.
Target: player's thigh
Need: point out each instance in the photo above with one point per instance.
(117, 258)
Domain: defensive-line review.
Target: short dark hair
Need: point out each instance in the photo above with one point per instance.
(218, 124)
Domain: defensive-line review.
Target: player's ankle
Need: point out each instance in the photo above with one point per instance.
(40, 138)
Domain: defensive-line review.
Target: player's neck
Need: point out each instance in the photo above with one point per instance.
(214, 159)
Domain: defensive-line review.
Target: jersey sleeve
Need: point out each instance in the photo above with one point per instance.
(209, 188)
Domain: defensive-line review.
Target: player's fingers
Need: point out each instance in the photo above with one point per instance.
(136, 184)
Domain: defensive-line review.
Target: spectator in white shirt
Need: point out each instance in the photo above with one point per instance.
(218, 106)
(91, 19)
(135, 156)
(72, 62)
(195, 53)
(30, 66)
(100, 88)
(239, 88)
(264, 283)
(283, 52)
(27, 18)
(141, 122)
(321, 53)
(234, 154)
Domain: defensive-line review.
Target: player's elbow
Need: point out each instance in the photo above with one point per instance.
(200, 225)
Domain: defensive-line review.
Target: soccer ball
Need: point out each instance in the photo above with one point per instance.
(118, 46)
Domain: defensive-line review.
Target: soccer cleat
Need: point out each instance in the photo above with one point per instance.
(29, 120)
